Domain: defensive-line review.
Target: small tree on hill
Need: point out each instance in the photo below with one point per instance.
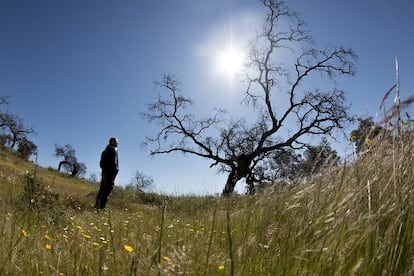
(13, 128)
(69, 162)
(26, 148)
(142, 182)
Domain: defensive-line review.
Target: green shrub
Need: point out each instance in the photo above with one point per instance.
(38, 199)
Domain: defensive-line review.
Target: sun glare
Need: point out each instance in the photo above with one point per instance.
(230, 62)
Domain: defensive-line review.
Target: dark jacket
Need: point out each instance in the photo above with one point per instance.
(109, 160)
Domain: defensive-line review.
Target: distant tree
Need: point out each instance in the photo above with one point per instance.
(315, 157)
(93, 177)
(69, 162)
(26, 148)
(142, 182)
(280, 166)
(366, 131)
(14, 128)
(287, 113)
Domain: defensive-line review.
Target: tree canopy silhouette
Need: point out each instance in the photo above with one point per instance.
(288, 110)
(70, 162)
(14, 132)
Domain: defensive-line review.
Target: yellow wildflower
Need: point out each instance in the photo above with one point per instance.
(368, 141)
(128, 248)
(221, 267)
(24, 233)
(353, 138)
(48, 246)
(47, 237)
(165, 258)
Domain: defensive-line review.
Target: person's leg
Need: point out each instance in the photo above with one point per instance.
(100, 193)
(108, 186)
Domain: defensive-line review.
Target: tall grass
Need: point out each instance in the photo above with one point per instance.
(353, 220)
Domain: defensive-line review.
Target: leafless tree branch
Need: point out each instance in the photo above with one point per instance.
(286, 113)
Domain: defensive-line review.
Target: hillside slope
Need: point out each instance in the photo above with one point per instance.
(11, 166)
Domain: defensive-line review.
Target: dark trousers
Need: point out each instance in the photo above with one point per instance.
(107, 184)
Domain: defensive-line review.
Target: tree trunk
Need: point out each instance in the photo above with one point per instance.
(13, 143)
(242, 169)
(60, 164)
(230, 183)
(75, 170)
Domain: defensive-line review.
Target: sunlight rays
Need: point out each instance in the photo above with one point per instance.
(229, 61)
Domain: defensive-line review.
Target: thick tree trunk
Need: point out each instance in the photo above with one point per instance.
(230, 183)
(237, 172)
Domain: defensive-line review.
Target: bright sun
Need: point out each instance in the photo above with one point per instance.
(229, 61)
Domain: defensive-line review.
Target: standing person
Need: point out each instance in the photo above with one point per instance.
(109, 166)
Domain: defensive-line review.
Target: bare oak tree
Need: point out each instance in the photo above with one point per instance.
(287, 114)
(142, 182)
(70, 162)
(13, 127)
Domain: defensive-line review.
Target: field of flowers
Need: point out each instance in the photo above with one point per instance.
(356, 219)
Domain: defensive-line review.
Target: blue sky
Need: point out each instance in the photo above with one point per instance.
(81, 71)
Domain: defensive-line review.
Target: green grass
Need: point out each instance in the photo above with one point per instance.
(353, 220)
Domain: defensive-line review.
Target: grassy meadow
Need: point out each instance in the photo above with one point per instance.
(357, 219)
